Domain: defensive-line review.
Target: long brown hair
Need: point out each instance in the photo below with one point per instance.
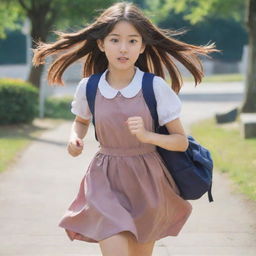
(161, 48)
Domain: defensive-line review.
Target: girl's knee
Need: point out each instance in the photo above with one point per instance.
(116, 245)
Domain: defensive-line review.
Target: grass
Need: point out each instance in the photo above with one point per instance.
(231, 153)
(219, 78)
(15, 138)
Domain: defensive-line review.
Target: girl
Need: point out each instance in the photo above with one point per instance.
(125, 201)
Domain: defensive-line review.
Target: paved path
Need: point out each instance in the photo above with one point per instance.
(36, 191)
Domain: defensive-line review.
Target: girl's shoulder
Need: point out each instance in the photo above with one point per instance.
(81, 86)
(83, 82)
(161, 86)
(168, 102)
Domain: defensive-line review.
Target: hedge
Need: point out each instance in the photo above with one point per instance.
(18, 101)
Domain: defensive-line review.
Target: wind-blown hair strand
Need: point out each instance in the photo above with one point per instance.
(161, 51)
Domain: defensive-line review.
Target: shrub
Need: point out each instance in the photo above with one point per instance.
(18, 101)
(58, 107)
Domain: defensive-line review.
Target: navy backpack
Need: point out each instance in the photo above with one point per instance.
(192, 169)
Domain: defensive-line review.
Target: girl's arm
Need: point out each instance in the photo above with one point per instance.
(78, 131)
(175, 141)
(79, 128)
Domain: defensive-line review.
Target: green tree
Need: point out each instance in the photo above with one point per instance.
(229, 35)
(46, 16)
(241, 10)
(9, 14)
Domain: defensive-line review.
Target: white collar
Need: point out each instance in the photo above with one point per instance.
(129, 91)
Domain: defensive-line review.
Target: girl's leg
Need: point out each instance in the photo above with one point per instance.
(140, 249)
(116, 245)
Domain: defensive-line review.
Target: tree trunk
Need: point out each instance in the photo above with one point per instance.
(249, 104)
(41, 18)
(35, 74)
(38, 31)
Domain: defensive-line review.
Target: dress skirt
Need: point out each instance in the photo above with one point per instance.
(126, 186)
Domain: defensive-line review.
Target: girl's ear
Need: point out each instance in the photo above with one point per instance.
(100, 45)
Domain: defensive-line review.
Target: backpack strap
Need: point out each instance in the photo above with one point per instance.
(149, 96)
(210, 198)
(91, 90)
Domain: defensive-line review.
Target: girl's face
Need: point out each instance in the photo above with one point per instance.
(122, 45)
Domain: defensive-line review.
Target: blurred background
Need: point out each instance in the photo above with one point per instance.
(220, 113)
(24, 21)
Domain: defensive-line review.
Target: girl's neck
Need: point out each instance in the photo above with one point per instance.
(119, 79)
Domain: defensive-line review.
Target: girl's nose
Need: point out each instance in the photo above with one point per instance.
(123, 48)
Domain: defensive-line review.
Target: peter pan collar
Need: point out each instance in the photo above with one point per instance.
(129, 91)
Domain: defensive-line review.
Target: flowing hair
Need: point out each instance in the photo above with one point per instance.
(160, 52)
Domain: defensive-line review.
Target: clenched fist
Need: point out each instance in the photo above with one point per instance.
(75, 146)
(136, 127)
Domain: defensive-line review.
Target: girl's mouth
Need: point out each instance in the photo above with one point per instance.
(122, 59)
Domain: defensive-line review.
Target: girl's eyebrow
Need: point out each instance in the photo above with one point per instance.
(119, 35)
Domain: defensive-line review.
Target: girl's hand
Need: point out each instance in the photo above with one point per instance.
(136, 126)
(75, 146)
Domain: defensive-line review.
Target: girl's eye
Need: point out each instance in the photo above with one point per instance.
(133, 41)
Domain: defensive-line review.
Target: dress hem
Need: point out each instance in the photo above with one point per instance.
(90, 239)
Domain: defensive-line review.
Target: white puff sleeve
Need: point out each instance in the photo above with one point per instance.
(168, 102)
(79, 105)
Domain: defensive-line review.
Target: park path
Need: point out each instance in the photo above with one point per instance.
(35, 192)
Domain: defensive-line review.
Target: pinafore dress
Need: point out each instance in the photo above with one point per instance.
(126, 186)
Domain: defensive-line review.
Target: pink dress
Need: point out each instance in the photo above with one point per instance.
(126, 187)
